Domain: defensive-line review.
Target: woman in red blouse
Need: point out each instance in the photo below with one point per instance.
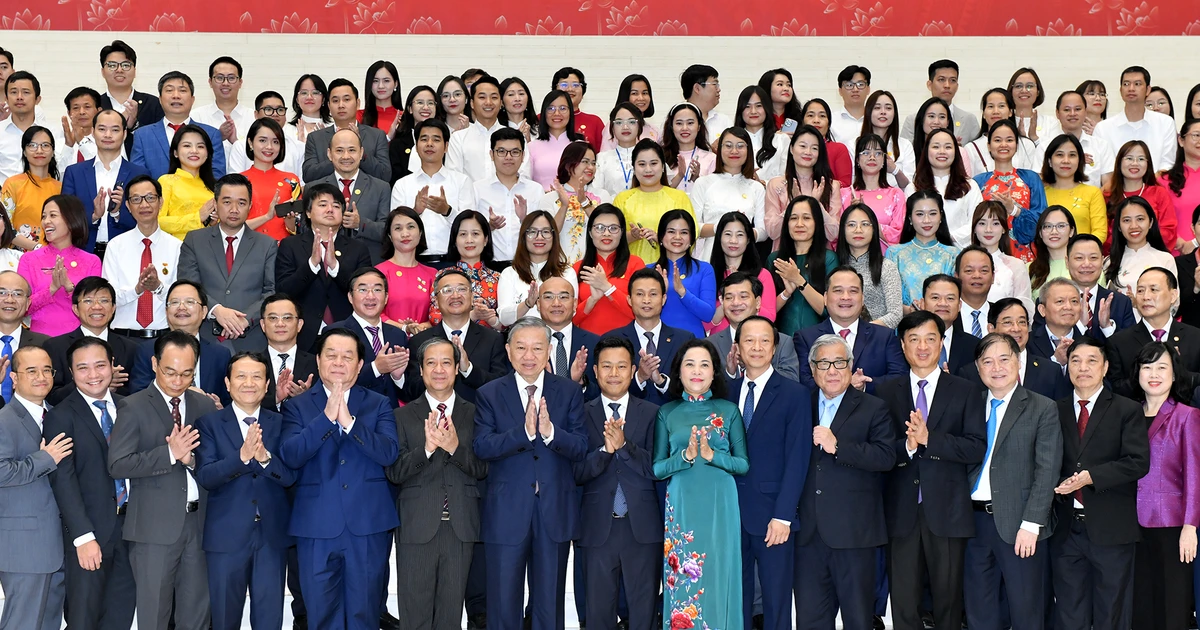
(604, 273)
(382, 99)
(1133, 175)
(265, 145)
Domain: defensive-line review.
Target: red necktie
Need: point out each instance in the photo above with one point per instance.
(145, 305)
(174, 127)
(229, 254)
(1087, 308)
(80, 158)
(346, 188)
(845, 333)
(1083, 422)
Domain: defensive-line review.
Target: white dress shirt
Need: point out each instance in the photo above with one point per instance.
(470, 153)
(1136, 261)
(123, 265)
(463, 337)
(245, 428)
(106, 179)
(966, 314)
(850, 338)
(714, 195)
(37, 412)
(538, 394)
(193, 491)
(983, 491)
(1155, 129)
(241, 116)
(491, 194)
(364, 324)
(277, 364)
(759, 384)
(16, 337)
(845, 128)
(566, 342)
(81, 151)
(931, 383)
(10, 149)
(958, 212)
(1010, 279)
(1102, 162)
(614, 170)
(1090, 295)
(511, 291)
(716, 122)
(622, 410)
(459, 192)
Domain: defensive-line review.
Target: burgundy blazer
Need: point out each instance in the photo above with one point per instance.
(1169, 495)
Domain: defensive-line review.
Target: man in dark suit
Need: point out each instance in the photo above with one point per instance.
(386, 357)
(1102, 312)
(655, 341)
(531, 511)
(80, 180)
(1037, 374)
(776, 411)
(1157, 292)
(153, 447)
(343, 108)
(572, 349)
(245, 534)
(152, 143)
(292, 370)
(99, 578)
(841, 510)
(975, 268)
(94, 303)
(741, 297)
(343, 514)
(368, 198)
(1106, 451)
(877, 355)
(187, 306)
(437, 472)
(481, 349)
(1012, 492)
(234, 264)
(1057, 325)
(939, 436)
(14, 304)
(118, 64)
(940, 296)
(315, 267)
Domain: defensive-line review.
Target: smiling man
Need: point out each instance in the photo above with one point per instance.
(437, 192)
(366, 196)
(14, 304)
(94, 303)
(741, 297)
(343, 108)
(118, 65)
(975, 272)
(386, 346)
(1157, 292)
(102, 182)
(151, 144)
(187, 308)
(225, 113)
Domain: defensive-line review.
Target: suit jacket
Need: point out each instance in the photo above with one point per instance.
(936, 472)
(124, 351)
(202, 260)
(374, 153)
(1164, 497)
(214, 363)
(303, 365)
(152, 149)
(581, 338)
(79, 180)
(962, 347)
(314, 292)
(1042, 376)
(1115, 450)
(843, 493)
(517, 466)
(1189, 305)
(1039, 340)
(138, 452)
(785, 362)
(1121, 310)
(149, 112)
(632, 465)
(30, 527)
(30, 338)
(485, 349)
(876, 352)
(237, 491)
(779, 440)
(85, 492)
(372, 199)
(1124, 346)
(670, 340)
(341, 484)
(425, 482)
(382, 384)
(1025, 463)
(399, 150)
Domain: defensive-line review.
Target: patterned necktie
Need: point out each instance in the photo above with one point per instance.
(346, 188)
(106, 425)
(7, 387)
(943, 357)
(976, 330)
(531, 389)
(229, 254)
(442, 424)
(376, 343)
(145, 303)
(620, 504)
(175, 412)
(748, 408)
(992, 421)
(651, 348)
(1087, 309)
(283, 357)
(1158, 334)
(561, 367)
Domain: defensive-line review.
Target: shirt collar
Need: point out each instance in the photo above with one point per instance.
(540, 381)
(182, 398)
(931, 381)
(291, 352)
(87, 333)
(566, 331)
(623, 401)
(345, 395)
(450, 331)
(241, 415)
(35, 411)
(92, 401)
(364, 323)
(836, 400)
(853, 327)
(237, 236)
(116, 164)
(1091, 401)
(657, 330)
(449, 402)
(761, 381)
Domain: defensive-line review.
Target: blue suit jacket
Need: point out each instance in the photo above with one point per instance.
(152, 149)
(383, 383)
(1121, 312)
(670, 340)
(214, 362)
(632, 465)
(876, 352)
(779, 441)
(517, 465)
(237, 491)
(1039, 339)
(80, 180)
(341, 484)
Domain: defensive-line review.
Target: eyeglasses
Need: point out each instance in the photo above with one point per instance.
(1026, 87)
(424, 103)
(309, 93)
(730, 146)
(454, 94)
(1099, 94)
(624, 122)
(712, 83)
(286, 319)
(186, 375)
(564, 85)
(273, 111)
(121, 65)
(370, 290)
(539, 232)
(40, 146)
(557, 297)
(854, 85)
(606, 229)
(508, 152)
(454, 290)
(839, 364)
(137, 200)
(1056, 227)
(15, 294)
(47, 372)
(1134, 159)
(587, 162)
(557, 109)
(1193, 136)
(226, 78)
(189, 303)
(96, 302)
(870, 153)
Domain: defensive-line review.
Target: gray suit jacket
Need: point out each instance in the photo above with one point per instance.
(202, 259)
(426, 481)
(374, 160)
(785, 362)
(138, 451)
(30, 528)
(1025, 463)
(372, 199)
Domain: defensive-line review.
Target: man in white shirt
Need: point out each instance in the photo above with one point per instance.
(271, 105)
(1135, 122)
(230, 118)
(141, 265)
(1097, 156)
(701, 87)
(943, 84)
(435, 191)
(469, 147)
(854, 86)
(23, 92)
(505, 196)
(78, 144)
(973, 267)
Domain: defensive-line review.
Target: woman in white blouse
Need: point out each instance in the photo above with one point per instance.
(537, 259)
(310, 104)
(997, 105)
(9, 255)
(753, 116)
(614, 167)
(1137, 245)
(573, 198)
(731, 188)
(940, 167)
(1010, 278)
(882, 121)
(1026, 89)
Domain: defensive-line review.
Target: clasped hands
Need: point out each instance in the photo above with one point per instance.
(537, 420)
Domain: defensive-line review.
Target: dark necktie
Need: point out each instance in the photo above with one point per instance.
(283, 357)
(106, 425)
(620, 504)
(175, 415)
(1087, 309)
(1083, 422)
(561, 368)
(376, 343)
(442, 425)
(1158, 334)
(229, 254)
(748, 408)
(976, 329)
(651, 348)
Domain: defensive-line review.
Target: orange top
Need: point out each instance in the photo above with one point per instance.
(23, 196)
(265, 184)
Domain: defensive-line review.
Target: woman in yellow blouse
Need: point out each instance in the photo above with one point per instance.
(187, 199)
(24, 194)
(649, 199)
(1063, 174)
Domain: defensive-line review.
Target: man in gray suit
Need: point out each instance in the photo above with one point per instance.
(439, 502)
(235, 265)
(343, 108)
(1012, 491)
(741, 297)
(31, 547)
(368, 199)
(152, 446)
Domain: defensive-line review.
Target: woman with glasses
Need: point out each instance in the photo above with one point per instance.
(1026, 89)
(604, 273)
(24, 194)
(1064, 179)
(187, 199)
(649, 199)
(768, 145)
(1133, 176)
(1019, 190)
(456, 103)
(422, 104)
(635, 90)
(871, 187)
(538, 258)
(883, 120)
(614, 165)
(732, 188)
(1054, 231)
(1095, 98)
(691, 285)
(1183, 182)
(53, 270)
(573, 198)
(925, 247)
(685, 149)
(310, 108)
(1158, 100)
(556, 130)
(470, 249)
(410, 284)
(859, 247)
(266, 147)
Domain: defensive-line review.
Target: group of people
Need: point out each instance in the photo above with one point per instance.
(795, 360)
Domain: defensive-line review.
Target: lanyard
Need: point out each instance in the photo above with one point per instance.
(625, 173)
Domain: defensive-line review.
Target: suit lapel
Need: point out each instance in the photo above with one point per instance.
(1164, 413)
(84, 412)
(164, 145)
(764, 399)
(861, 342)
(160, 405)
(192, 413)
(849, 403)
(941, 394)
(230, 421)
(1099, 409)
(1016, 407)
(27, 421)
(599, 414)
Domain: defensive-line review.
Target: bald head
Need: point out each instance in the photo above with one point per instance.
(556, 302)
(14, 300)
(345, 151)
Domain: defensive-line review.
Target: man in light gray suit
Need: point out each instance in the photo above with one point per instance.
(235, 265)
(31, 547)
(1012, 492)
(152, 446)
(368, 198)
(741, 297)
(343, 108)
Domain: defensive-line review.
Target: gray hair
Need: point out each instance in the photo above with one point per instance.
(1061, 281)
(437, 341)
(529, 322)
(830, 340)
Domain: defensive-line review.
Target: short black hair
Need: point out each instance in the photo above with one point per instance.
(248, 354)
(992, 339)
(190, 283)
(436, 123)
(262, 96)
(1181, 391)
(173, 75)
(916, 319)
(966, 250)
(233, 179)
(79, 92)
(277, 297)
(224, 59)
(845, 269)
(342, 82)
(695, 73)
(848, 73)
(942, 64)
(1172, 281)
(941, 277)
(1003, 304)
(563, 73)
(84, 342)
(328, 333)
(270, 125)
(1137, 70)
(1084, 237)
(142, 179)
(1083, 341)
(313, 191)
(718, 387)
(117, 46)
(615, 341)
(176, 338)
(754, 318)
(647, 273)
(109, 110)
(486, 79)
(738, 277)
(91, 284)
(21, 75)
(368, 271)
(7, 54)
(506, 133)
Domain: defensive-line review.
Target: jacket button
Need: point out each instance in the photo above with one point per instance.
(535, 458)
(345, 487)
(343, 463)
(227, 292)
(818, 492)
(533, 485)
(916, 482)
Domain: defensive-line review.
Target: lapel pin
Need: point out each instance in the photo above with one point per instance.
(75, 263)
(399, 274)
(1176, 339)
(337, 252)
(357, 191)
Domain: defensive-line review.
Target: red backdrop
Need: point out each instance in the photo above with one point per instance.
(616, 17)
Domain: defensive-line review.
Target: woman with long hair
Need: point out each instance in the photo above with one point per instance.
(538, 258)
(807, 173)
(1192, 105)
(421, 105)
(410, 284)
(940, 167)
(455, 99)
(691, 285)
(1025, 86)
(635, 90)
(997, 105)
(1183, 182)
(1010, 278)
(817, 114)
(687, 155)
(753, 115)
(1095, 97)
(785, 105)
(572, 197)
(604, 273)
(883, 120)
(382, 98)
(24, 194)
(649, 199)
(470, 249)
(516, 111)
(188, 186)
(310, 107)
(1055, 228)
(732, 188)
(735, 251)
(925, 246)
(871, 187)
(858, 246)
(1133, 176)
(10, 255)
(1159, 100)
(1137, 245)
(1019, 190)
(614, 165)
(803, 262)
(556, 130)
(1064, 180)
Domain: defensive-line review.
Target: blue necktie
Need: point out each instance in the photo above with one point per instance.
(620, 505)
(923, 407)
(106, 425)
(7, 388)
(944, 357)
(827, 413)
(976, 330)
(748, 409)
(992, 422)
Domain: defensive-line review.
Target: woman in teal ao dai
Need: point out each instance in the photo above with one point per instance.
(699, 444)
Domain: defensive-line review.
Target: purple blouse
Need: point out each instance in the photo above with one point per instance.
(1169, 495)
(544, 156)
(50, 313)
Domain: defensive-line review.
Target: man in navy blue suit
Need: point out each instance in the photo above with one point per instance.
(1057, 325)
(341, 438)
(386, 347)
(1037, 374)
(1102, 312)
(529, 428)
(940, 296)
(245, 534)
(187, 307)
(100, 182)
(152, 143)
(777, 413)
(655, 341)
(877, 354)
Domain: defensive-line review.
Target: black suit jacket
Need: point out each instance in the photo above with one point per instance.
(580, 338)
(938, 470)
(485, 349)
(399, 151)
(392, 335)
(149, 112)
(1123, 348)
(303, 365)
(670, 341)
(1039, 340)
(86, 494)
(1042, 376)
(1189, 301)
(316, 291)
(1115, 450)
(632, 465)
(962, 347)
(124, 351)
